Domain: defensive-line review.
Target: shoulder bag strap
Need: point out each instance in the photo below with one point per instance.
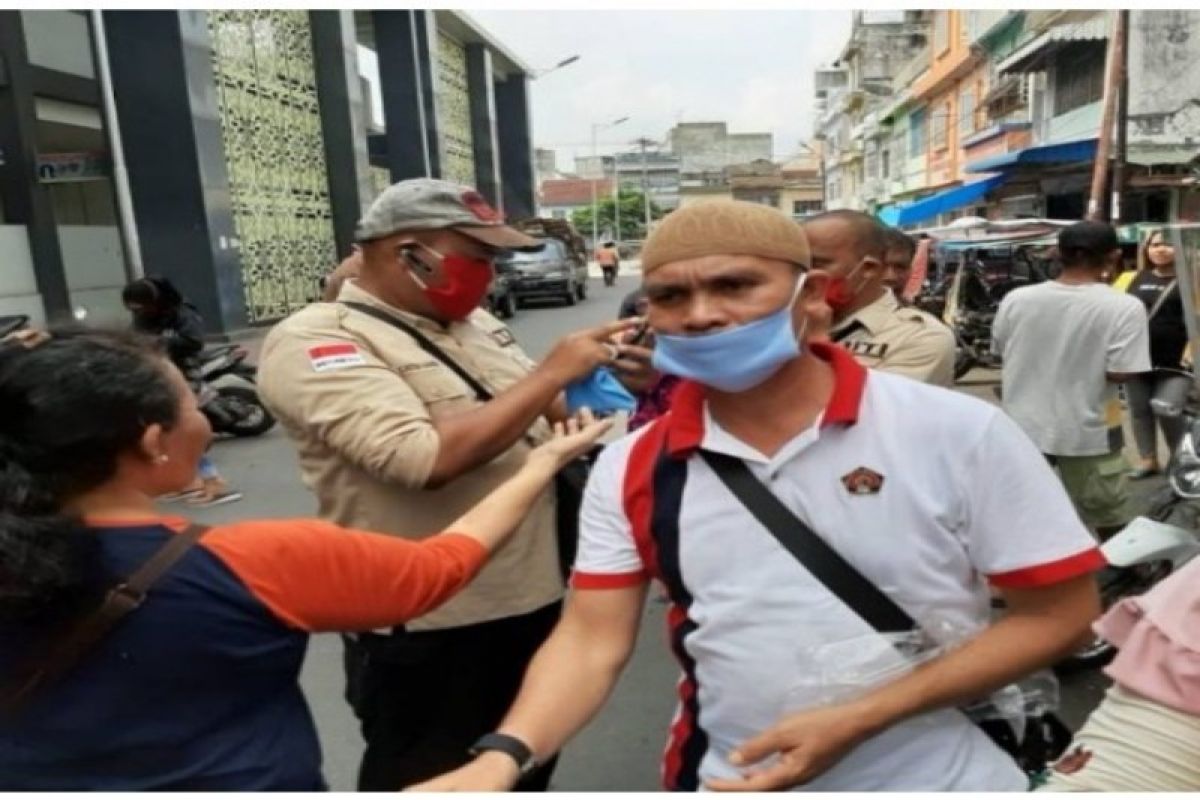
(428, 346)
(838, 575)
(1162, 299)
(66, 650)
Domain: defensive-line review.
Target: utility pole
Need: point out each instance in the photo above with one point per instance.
(617, 200)
(596, 126)
(1118, 173)
(1116, 57)
(643, 143)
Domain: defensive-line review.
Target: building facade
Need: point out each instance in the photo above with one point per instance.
(997, 113)
(705, 149)
(233, 151)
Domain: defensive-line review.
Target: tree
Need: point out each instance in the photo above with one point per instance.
(633, 216)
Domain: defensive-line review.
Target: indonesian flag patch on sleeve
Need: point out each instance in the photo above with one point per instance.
(325, 357)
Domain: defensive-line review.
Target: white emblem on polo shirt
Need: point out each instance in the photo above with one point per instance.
(325, 357)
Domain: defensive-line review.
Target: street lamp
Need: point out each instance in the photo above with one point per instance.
(596, 127)
(566, 62)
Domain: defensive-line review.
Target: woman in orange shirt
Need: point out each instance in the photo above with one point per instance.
(196, 689)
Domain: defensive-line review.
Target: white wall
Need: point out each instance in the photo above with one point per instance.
(1082, 123)
(59, 40)
(18, 286)
(94, 263)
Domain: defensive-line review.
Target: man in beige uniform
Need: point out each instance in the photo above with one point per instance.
(392, 439)
(867, 318)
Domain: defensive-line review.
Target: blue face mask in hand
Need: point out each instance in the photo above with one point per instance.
(601, 392)
(735, 359)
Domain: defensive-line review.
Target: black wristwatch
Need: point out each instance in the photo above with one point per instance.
(509, 745)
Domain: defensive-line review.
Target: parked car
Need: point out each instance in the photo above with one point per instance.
(501, 300)
(552, 272)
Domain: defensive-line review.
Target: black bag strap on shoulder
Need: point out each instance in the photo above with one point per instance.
(1046, 737)
(425, 344)
(67, 649)
(826, 565)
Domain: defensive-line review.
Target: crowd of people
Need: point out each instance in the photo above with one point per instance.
(798, 480)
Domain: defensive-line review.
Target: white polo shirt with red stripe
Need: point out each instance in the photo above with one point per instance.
(930, 494)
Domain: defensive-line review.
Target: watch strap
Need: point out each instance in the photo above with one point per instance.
(509, 745)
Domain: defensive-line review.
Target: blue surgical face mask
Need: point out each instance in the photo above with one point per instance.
(735, 359)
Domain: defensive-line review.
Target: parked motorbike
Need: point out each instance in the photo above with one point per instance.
(227, 359)
(973, 342)
(1153, 546)
(225, 388)
(12, 324)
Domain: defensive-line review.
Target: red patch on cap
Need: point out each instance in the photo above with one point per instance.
(478, 206)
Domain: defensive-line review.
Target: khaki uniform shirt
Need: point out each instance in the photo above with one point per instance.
(900, 339)
(359, 396)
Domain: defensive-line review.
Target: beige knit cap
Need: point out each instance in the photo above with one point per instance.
(725, 227)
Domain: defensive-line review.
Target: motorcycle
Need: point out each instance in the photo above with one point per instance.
(227, 359)
(973, 342)
(610, 275)
(12, 324)
(225, 388)
(1153, 546)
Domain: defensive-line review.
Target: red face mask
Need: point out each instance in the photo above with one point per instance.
(840, 296)
(466, 284)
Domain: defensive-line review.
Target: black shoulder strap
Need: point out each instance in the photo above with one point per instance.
(837, 574)
(1163, 297)
(841, 334)
(429, 347)
(66, 650)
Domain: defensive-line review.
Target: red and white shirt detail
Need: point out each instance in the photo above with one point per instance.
(963, 499)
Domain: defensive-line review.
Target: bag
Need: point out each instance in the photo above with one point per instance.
(570, 481)
(1045, 737)
(64, 651)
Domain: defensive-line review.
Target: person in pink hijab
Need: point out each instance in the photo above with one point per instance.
(1145, 735)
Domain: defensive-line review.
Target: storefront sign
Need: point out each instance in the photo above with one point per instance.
(62, 167)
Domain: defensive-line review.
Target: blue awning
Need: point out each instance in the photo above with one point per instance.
(939, 203)
(1063, 153)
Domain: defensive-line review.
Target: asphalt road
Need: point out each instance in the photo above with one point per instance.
(620, 750)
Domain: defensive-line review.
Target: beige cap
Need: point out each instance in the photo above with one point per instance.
(429, 204)
(725, 227)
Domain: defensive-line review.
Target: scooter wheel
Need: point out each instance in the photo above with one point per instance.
(249, 417)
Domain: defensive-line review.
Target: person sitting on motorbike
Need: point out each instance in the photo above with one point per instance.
(159, 309)
(609, 259)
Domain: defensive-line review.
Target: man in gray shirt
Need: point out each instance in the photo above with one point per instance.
(1066, 343)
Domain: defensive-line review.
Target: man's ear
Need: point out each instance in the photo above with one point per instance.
(812, 306)
(871, 266)
(816, 284)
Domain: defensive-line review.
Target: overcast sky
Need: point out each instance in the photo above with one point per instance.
(752, 69)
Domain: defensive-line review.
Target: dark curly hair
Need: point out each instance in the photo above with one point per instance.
(68, 407)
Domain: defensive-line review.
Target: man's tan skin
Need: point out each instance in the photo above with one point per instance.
(578, 666)
(897, 262)
(347, 270)
(470, 438)
(837, 249)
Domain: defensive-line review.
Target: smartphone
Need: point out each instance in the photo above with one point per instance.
(640, 334)
(409, 253)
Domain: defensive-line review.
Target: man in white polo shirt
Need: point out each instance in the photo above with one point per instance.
(931, 507)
